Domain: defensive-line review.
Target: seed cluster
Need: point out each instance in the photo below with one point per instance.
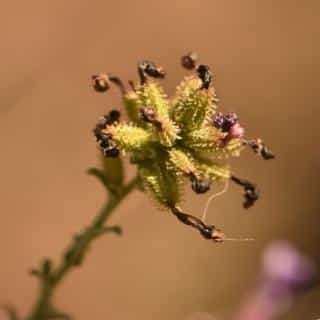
(177, 139)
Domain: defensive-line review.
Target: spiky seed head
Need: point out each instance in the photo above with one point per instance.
(171, 140)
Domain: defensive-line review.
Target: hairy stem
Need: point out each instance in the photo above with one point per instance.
(74, 255)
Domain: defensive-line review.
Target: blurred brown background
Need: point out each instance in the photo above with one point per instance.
(265, 57)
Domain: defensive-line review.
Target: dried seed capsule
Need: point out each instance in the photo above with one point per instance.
(207, 231)
(189, 60)
(200, 185)
(148, 114)
(112, 152)
(97, 133)
(104, 141)
(102, 122)
(266, 153)
(251, 191)
(259, 147)
(150, 69)
(101, 82)
(251, 195)
(113, 116)
(205, 75)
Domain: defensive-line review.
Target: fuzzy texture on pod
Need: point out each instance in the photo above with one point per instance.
(178, 140)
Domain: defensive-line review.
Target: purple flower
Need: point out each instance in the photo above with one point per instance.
(225, 122)
(284, 267)
(285, 273)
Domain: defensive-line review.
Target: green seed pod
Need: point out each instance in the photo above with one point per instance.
(128, 137)
(192, 107)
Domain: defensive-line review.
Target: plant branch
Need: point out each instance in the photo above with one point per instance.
(50, 277)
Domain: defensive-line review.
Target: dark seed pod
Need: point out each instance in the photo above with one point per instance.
(207, 231)
(189, 60)
(266, 153)
(112, 152)
(102, 122)
(200, 185)
(251, 195)
(205, 75)
(150, 69)
(97, 133)
(104, 141)
(148, 114)
(251, 191)
(259, 147)
(100, 82)
(113, 116)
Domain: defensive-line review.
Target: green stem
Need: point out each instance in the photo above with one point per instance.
(75, 254)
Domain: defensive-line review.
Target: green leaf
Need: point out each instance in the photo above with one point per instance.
(113, 229)
(99, 174)
(46, 267)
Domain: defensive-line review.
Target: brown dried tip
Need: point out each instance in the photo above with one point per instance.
(205, 75)
(148, 114)
(251, 191)
(259, 147)
(150, 69)
(209, 232)
(100, 82)
(189, 61)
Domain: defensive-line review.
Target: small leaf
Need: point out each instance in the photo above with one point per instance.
(46, 267)
(99, 174)
(115, 229)
(35, 273)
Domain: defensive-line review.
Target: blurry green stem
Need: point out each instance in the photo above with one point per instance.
(74, 255)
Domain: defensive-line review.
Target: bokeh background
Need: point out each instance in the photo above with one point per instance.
(265, 58)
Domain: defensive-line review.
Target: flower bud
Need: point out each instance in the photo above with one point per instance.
(225, 122)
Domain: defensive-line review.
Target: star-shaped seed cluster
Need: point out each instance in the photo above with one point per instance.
(178, 139)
